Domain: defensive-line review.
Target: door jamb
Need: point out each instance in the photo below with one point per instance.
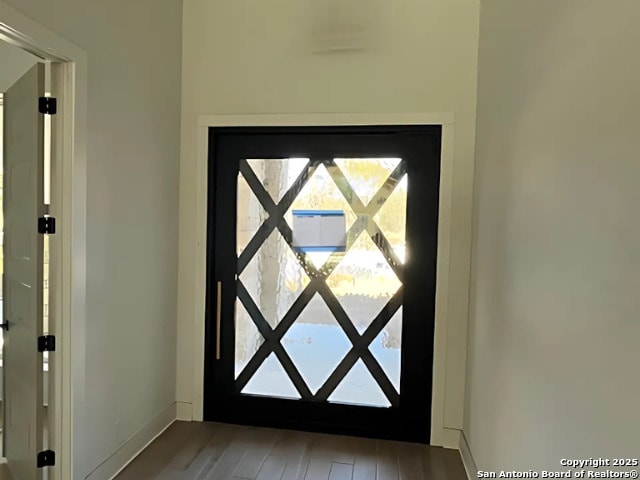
(440, 434)
(68, 246)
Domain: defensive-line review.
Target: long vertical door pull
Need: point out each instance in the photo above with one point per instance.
(218, 315)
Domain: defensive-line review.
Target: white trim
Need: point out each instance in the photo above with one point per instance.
(134, 446)
(200, 276)
(440, 435)
(183, 412)
(467, 458)
(449, 438)
(68, 250)
(325, 119)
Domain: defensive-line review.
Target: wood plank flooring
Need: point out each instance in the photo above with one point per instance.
(212, 451)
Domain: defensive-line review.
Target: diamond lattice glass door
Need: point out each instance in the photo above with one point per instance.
(338, 294)
(317, 326)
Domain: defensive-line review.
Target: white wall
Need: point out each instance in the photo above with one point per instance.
(14, 62)
(134, 57)
(553, 350)
(247, 57)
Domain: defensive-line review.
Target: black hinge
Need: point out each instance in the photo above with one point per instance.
(47, 225)
(48, 105)
(46, 459)
(47, 343)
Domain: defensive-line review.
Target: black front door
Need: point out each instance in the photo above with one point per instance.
(321, 278)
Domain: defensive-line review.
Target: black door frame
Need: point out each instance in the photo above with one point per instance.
(420, 148)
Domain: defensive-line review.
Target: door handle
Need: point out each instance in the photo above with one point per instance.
(5, 326)
(218, 318)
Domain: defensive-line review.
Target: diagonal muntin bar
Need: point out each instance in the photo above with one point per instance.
(356, 352)
(271, 344)
(273, 210)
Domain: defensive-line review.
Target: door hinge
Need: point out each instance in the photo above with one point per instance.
(47, 343)
(48, 105)
(46, 459)
(47, 225)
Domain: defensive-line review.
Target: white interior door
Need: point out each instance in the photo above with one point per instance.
(23, 270)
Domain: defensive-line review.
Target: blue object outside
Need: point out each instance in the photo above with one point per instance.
(319, 213)
(316, 213)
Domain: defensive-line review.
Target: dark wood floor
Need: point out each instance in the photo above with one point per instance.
(211, 451)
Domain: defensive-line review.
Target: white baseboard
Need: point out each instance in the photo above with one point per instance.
(467, 459)
(122, 457)
(450, 438)
(184, 412)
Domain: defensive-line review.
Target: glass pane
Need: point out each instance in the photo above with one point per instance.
(271, 380)
(274, 278)
(251, 215)
(392, 218)
(363, 282)
(367, 175)
(277, 175)
(248, 338)
(386, 348)
(321, 193)
(359, 388)
(316, 343)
